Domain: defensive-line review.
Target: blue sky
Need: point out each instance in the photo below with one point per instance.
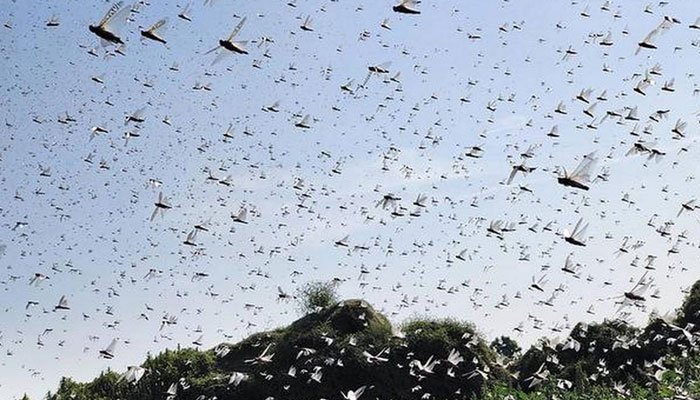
(100, 251)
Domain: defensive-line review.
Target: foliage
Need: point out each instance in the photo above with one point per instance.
(690, 310)
(506, 347)
(316, 295)
(610, 360)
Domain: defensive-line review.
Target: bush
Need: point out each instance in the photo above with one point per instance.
(689, 313)
(316, 295)
(506, 347)
(437, 336)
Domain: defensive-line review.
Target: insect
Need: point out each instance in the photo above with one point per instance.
(108, 28)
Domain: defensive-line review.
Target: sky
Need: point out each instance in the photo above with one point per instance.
(86, 225)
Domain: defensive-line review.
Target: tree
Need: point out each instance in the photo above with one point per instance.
(316, 295)
(690, 310)
(506, 346)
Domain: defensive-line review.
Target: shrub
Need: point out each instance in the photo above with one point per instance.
(506, 347)
(316, 295)
(690, 310)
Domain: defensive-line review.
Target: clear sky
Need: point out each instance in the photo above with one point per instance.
(86, 225)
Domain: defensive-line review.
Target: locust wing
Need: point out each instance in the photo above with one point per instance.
(237, 29)
(583, 171)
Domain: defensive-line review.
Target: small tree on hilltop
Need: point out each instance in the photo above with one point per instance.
(316, 295)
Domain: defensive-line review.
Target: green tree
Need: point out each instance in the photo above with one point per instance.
(317, 295)
(506, 347)
(690, 310)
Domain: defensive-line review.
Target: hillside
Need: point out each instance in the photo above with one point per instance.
(350, 346)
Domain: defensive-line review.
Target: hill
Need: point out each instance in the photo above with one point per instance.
(351, 347)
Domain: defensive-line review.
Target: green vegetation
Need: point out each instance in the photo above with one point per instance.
(316, 295)
(339, 346)
(690, 311)
(506, 347)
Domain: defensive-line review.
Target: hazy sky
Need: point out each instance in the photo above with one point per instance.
(86, 225)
